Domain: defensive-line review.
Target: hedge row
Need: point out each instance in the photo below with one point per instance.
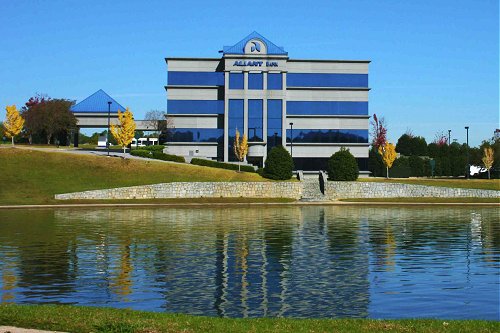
(221, 165)
(157, 155)
(153, 148)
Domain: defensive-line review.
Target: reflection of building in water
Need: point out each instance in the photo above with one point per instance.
(9, 278)
(294, 270)
(121, 281)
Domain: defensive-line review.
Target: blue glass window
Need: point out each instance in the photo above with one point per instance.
(236, 121)
(197, 135)
(255, 120)
(326, 80)
(274, 122)
(236, 80)
(255, 81)
(194, 107)
(196, 78)
(328, 135)
(326, 108)
(274, 81)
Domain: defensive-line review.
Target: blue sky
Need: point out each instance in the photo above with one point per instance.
(435, 64)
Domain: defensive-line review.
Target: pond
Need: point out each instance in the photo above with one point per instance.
(257, 261)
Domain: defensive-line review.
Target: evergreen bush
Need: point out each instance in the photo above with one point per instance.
(416, 166)
(140, 153)
(153, 148)
(343, 166)
(158, 155)
(400, 168)
(279, 164)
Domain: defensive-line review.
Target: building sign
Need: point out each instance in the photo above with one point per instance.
(255, 63)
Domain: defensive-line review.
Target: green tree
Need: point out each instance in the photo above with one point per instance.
(279, 164)
(409, 145)
(343, 166)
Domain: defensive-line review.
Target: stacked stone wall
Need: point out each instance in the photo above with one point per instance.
(332, 191)
(342, 190)
(194, 190)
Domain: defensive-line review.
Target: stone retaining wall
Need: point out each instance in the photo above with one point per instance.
(333, 190)
(343, 190)
(194, 190)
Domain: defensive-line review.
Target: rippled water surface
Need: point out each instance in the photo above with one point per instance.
(258, 261)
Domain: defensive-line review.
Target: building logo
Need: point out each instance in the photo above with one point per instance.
(255, 47)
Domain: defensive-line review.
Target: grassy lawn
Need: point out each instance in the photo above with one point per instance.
(86, 319)
(425, 200)
(34, 177)
(484, 184)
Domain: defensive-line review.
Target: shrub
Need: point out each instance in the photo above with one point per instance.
(154, 148)
(416, 166)
(140, 153)
(221, 165)
(343, 166)
(158, 155)
(279, 164)
(400, 168)
(375, 164)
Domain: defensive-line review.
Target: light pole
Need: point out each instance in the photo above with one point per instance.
(468, 165)
(107, 134)
(291, 140)
(449, 137)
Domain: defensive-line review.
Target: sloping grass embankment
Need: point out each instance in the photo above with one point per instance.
(34, 177)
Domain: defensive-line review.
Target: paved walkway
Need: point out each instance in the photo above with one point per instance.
(11, 329)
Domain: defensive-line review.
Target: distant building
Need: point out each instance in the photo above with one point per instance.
(311, 107)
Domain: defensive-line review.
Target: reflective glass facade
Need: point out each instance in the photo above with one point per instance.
(326, 80)
(327, 135)
(236, 122)
(196, 78)
(255, 120)
(236, 81)
(197, 135)
(274, 81)
(326, 108)
(255, 81)
(195, 107)
(274, 122)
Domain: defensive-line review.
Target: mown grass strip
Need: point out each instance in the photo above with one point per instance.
(483, 184)
(89, 319)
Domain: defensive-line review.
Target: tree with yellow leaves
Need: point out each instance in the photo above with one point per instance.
(240, 148)
(13, 123)
(124, 132)
(388, 152)
(488, 159)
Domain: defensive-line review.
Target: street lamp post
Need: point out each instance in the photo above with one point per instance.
(291, 140)
(449, 137)
(468, 165)
(107, 134)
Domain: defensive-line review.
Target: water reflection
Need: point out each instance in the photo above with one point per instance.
(257, 262)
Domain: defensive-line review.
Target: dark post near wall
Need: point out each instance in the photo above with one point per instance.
(468, 165)
(107, 134)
